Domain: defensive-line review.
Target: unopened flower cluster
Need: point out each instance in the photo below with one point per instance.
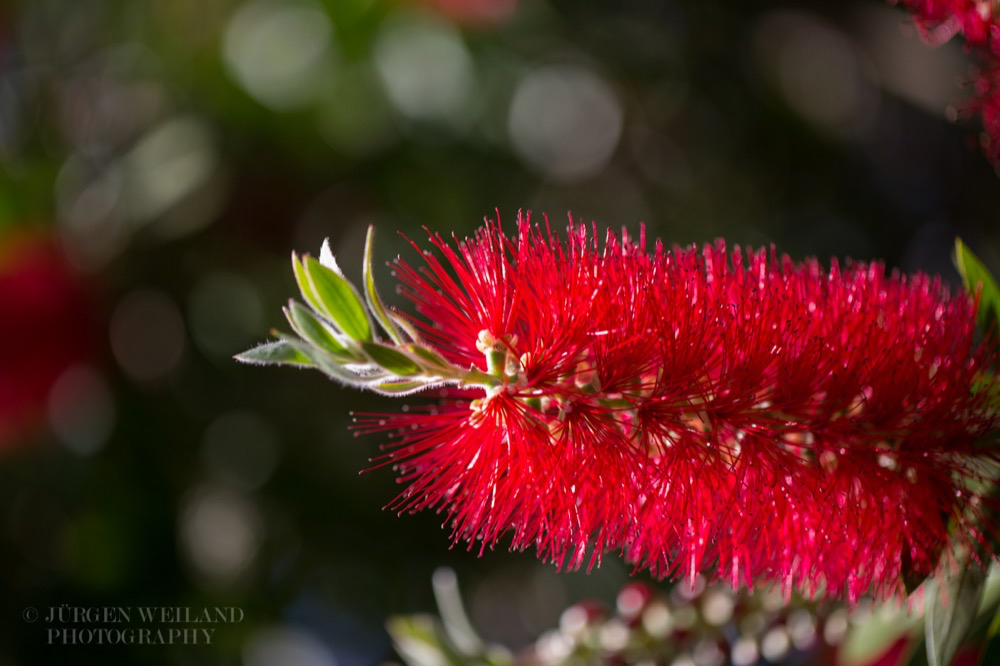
(695, 623)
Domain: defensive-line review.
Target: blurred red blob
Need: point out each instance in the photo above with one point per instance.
(45, 329)
(474, 12)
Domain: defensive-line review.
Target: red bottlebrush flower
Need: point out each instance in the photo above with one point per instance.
(978, 22)
(940, 20)
(44, 313)
(697, 409)
(714, 410)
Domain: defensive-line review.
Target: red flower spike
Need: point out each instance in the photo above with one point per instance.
(697, 409)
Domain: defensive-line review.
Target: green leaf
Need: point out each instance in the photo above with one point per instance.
(391, 359)
(333, 368)
(302, 279)
(430, 359)
(420, 641)
(338, 300)
(454, 619)
(975, 273)
(405, 326)
(312, 330)
(398, 389)
(279, 352)
(375, 303)
(951, 611)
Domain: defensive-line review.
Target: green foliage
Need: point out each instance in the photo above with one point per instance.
(390, 359)
(976, 276)
(425, 640)
(310, 328)
(338, 300)
(421, 640)
(952, 610)
(427, 356)
(334, 334)
(305, 285)
(279, 352)
(375, 303)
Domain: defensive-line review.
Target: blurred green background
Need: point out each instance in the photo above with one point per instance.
(160, 159)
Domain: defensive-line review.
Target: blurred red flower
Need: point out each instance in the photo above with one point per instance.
(696, 409)
(940, 20)
(978, 22)
(45, 329)
(987, 104)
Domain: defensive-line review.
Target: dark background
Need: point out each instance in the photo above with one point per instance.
(159, 160)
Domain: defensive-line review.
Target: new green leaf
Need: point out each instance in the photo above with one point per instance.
(421, 641)
(391, 359)
(302, 279)
(312, 330)
(975, 273)
(397, 389)
(371, 294)
(279, 352)
(333, 368)
(338, 300)
(429, 357)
